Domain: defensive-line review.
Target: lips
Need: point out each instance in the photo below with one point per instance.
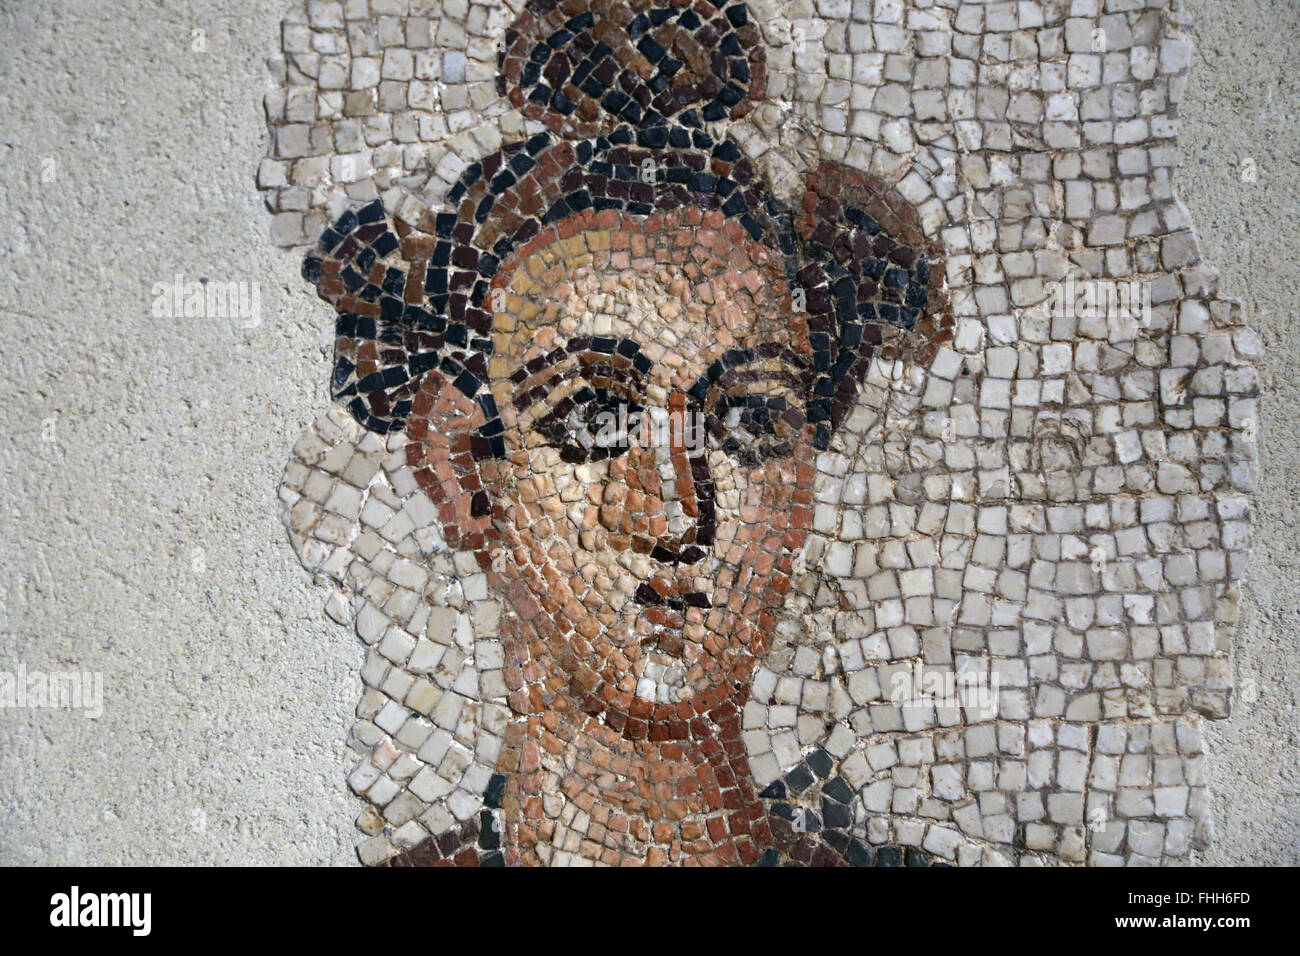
(688, 555)
(659, 593)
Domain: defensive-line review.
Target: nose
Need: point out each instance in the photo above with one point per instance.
(660, 494)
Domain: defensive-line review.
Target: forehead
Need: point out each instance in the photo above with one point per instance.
(685, 293)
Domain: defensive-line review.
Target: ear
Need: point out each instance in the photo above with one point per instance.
(455, 446)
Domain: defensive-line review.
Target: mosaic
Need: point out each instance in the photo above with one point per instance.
(765, 433)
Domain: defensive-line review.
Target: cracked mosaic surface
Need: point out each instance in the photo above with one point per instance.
(766, 433)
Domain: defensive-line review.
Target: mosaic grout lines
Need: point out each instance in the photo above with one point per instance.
(736, 456)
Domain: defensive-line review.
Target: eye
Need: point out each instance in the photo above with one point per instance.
(753, 427)
(592, 424)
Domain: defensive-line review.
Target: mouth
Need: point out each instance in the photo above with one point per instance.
(659, 593)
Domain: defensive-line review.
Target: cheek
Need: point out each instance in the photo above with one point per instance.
(763, 494)
(759, 517)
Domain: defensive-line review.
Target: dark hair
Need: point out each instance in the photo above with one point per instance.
(563, 67)
(411, 296)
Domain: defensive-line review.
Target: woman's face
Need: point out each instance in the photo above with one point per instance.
(658, 477)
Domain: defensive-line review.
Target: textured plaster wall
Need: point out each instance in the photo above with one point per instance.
(1241, 103)
(143, 541)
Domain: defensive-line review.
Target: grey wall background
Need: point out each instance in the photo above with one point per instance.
(1241, 102)
(144, 541)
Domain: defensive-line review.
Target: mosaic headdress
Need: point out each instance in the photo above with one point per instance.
(624, 104)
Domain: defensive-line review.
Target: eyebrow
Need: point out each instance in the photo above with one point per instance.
(727, 369)
(730, 367)
(626, 349)
(745, 376)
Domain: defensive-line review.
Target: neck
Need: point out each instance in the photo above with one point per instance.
(681, 793)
